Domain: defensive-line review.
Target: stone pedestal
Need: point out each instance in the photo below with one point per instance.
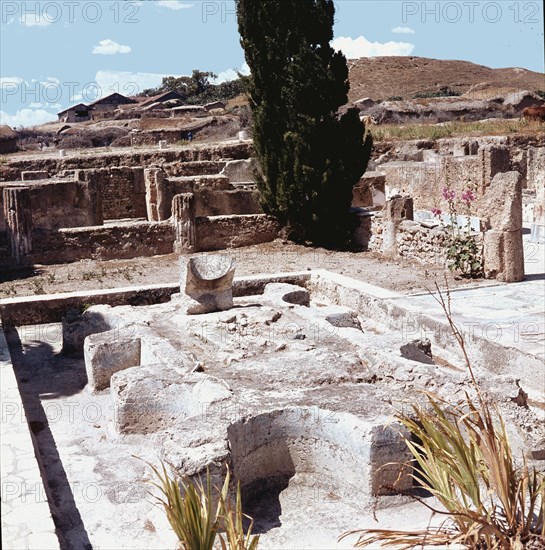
(18, 215)
(206, 283)
(185, 229)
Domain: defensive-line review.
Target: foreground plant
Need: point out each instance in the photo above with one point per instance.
(190, 512)
(465, 461)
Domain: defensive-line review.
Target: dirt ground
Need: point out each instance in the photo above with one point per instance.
(401, 275)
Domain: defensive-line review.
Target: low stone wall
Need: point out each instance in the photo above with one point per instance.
(33, 310)
(11, 171)
(220, 232)
(123, 241)
(220, 203)
(196, 168)
(58, 204)
(408, 239)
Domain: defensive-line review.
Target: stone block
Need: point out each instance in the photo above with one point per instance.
(399, 208)
(388, 461)
(370, 190)
(502, 202)
(239, 171)
(504, 256)
(147, 399)
(77, 326)
(107, 353)
(206, 283)
(418, 350)
(32, 175)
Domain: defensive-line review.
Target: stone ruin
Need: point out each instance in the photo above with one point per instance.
(395, 201)
(272, 377)
(189, 201)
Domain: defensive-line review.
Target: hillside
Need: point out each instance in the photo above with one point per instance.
(384, 77)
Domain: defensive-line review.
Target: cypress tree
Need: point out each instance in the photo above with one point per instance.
(310, 150)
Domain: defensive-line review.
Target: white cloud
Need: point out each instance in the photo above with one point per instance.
(10, 82)
(403, 30)
(354, 48)
(35, 20)
(109, 47)
(27, 117)
(231, 74)
(125, 83)
(174, 4)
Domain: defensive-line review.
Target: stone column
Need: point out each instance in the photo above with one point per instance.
(185, 228)
(18, 214)
(396, 210)
(503, 245)
(158, 197)
(493, 159)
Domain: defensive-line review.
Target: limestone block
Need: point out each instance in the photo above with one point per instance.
(513, 260)
(334, 451)
(32, 175)
(504, 256)
(502, 202)
(77, 326)
(107, 353)
(147, 399)
(536, 168)
(206, 283)
(370, 190)
(418, 350)
(239, 171)
(388, 460)
(493, 253)
(399, 208)
(493, 159)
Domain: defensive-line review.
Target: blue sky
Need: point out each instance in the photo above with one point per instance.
(56, 53)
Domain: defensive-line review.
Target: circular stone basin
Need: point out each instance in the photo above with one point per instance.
(316, 453)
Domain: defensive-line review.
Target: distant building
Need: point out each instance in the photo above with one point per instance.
(76, 113)
(110, 103)
(214, 105)
(8, 140)
(161, 98)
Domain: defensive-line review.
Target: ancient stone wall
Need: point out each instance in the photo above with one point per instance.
(57, 204)
(220, 232)
(410, 240)
(122, 189)
(123, 241)
(11, 171)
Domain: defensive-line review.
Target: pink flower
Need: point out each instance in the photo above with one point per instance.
(468, 196)
(436, 212)
(448, 194)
